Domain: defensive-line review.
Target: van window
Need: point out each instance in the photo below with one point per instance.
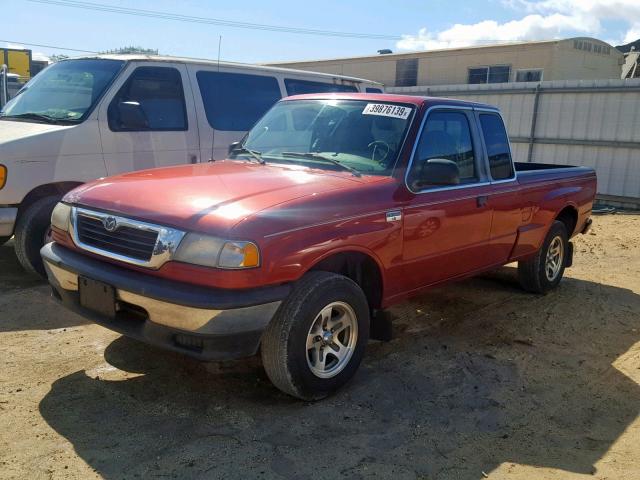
(159, 94)
(373, 90)
(497, 142)
(302, 87)
(233, 102)
(446, 136)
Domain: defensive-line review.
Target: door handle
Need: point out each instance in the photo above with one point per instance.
(481, 201)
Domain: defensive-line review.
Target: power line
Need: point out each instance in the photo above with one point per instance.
(210, 21)
(46, 46)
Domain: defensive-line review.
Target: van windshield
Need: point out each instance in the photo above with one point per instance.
(364, 137)
(65, 92)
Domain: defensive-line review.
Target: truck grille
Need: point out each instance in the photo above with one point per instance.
(124, 240)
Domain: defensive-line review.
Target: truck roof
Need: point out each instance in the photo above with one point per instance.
(208, 62)
(390, 97)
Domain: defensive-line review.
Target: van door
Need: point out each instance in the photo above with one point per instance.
(150, 120)
(229, 102)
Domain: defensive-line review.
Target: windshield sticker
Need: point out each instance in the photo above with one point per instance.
(386, 110)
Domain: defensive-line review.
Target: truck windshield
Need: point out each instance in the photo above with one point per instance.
(63, 93)
(364, 137)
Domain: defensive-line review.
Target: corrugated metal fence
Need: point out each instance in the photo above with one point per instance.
(593, 123)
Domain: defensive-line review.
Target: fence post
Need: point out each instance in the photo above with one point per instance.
(534, 120)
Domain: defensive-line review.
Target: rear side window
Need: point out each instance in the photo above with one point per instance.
(158, 92)
(446, 136)
(233, 102)
(302, 87)
(497, 142)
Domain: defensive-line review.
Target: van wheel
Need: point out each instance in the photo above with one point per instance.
(317, 339)
(32, 231)
(544, 271)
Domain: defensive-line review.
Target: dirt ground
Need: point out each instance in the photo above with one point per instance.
(482, 380)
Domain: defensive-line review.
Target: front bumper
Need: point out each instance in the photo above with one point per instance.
(206, 323)
(8, 217)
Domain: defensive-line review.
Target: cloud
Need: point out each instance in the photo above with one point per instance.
(544, 20)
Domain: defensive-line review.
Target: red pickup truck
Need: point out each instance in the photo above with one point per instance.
(332, 208)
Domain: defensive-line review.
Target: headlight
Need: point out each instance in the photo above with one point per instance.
(215, 252)
(61, 216)
(3, 176)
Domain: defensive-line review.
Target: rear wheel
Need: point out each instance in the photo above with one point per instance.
(316, 341)
(33, 230)
(544, 271)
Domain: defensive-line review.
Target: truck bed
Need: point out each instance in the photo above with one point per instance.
(531, 171)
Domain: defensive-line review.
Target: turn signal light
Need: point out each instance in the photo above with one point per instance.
(3, 176)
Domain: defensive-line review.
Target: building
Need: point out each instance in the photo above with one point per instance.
(570, 59)
(631, 67)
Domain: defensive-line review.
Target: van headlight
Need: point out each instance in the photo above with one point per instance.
(61, 216)
(215, 252)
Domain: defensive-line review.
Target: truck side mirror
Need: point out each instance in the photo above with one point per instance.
(131, 116)
(437, 172)
(232, 147)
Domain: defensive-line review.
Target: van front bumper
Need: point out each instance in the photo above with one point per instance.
(8, 217)
(202, 322)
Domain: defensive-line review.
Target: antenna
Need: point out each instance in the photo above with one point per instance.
(213, 130)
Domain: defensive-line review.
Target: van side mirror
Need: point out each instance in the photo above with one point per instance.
(131, 116)
(232, 147)
(437, 172)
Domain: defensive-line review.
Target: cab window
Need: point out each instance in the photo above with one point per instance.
(152, 99)
(497, 142)
(445, 147)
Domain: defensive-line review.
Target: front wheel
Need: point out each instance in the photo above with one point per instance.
(317, 339)
(544, 271)
(33, 230)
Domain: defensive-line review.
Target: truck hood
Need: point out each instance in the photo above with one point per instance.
(209, 198)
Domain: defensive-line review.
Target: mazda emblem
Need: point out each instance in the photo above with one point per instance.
(110, 224)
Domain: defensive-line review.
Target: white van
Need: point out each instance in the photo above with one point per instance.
(92, 117)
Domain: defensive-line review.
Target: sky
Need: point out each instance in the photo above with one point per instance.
(414, 24)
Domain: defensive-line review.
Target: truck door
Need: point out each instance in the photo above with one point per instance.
(505, 200)
(446, 228)
(150, 120)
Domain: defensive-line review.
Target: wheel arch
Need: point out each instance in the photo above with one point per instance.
(46, 190)
(360, 266)
(569, 216)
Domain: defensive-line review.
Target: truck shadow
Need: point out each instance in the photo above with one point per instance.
(18, 288)
(478, 381)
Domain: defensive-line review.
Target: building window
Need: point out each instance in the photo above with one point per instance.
(588, 47)
(407, 72)
(491, 74)
(534, 75)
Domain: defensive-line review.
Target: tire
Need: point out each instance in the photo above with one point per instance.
(290, 346)
(30, 232)
(536, 274)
